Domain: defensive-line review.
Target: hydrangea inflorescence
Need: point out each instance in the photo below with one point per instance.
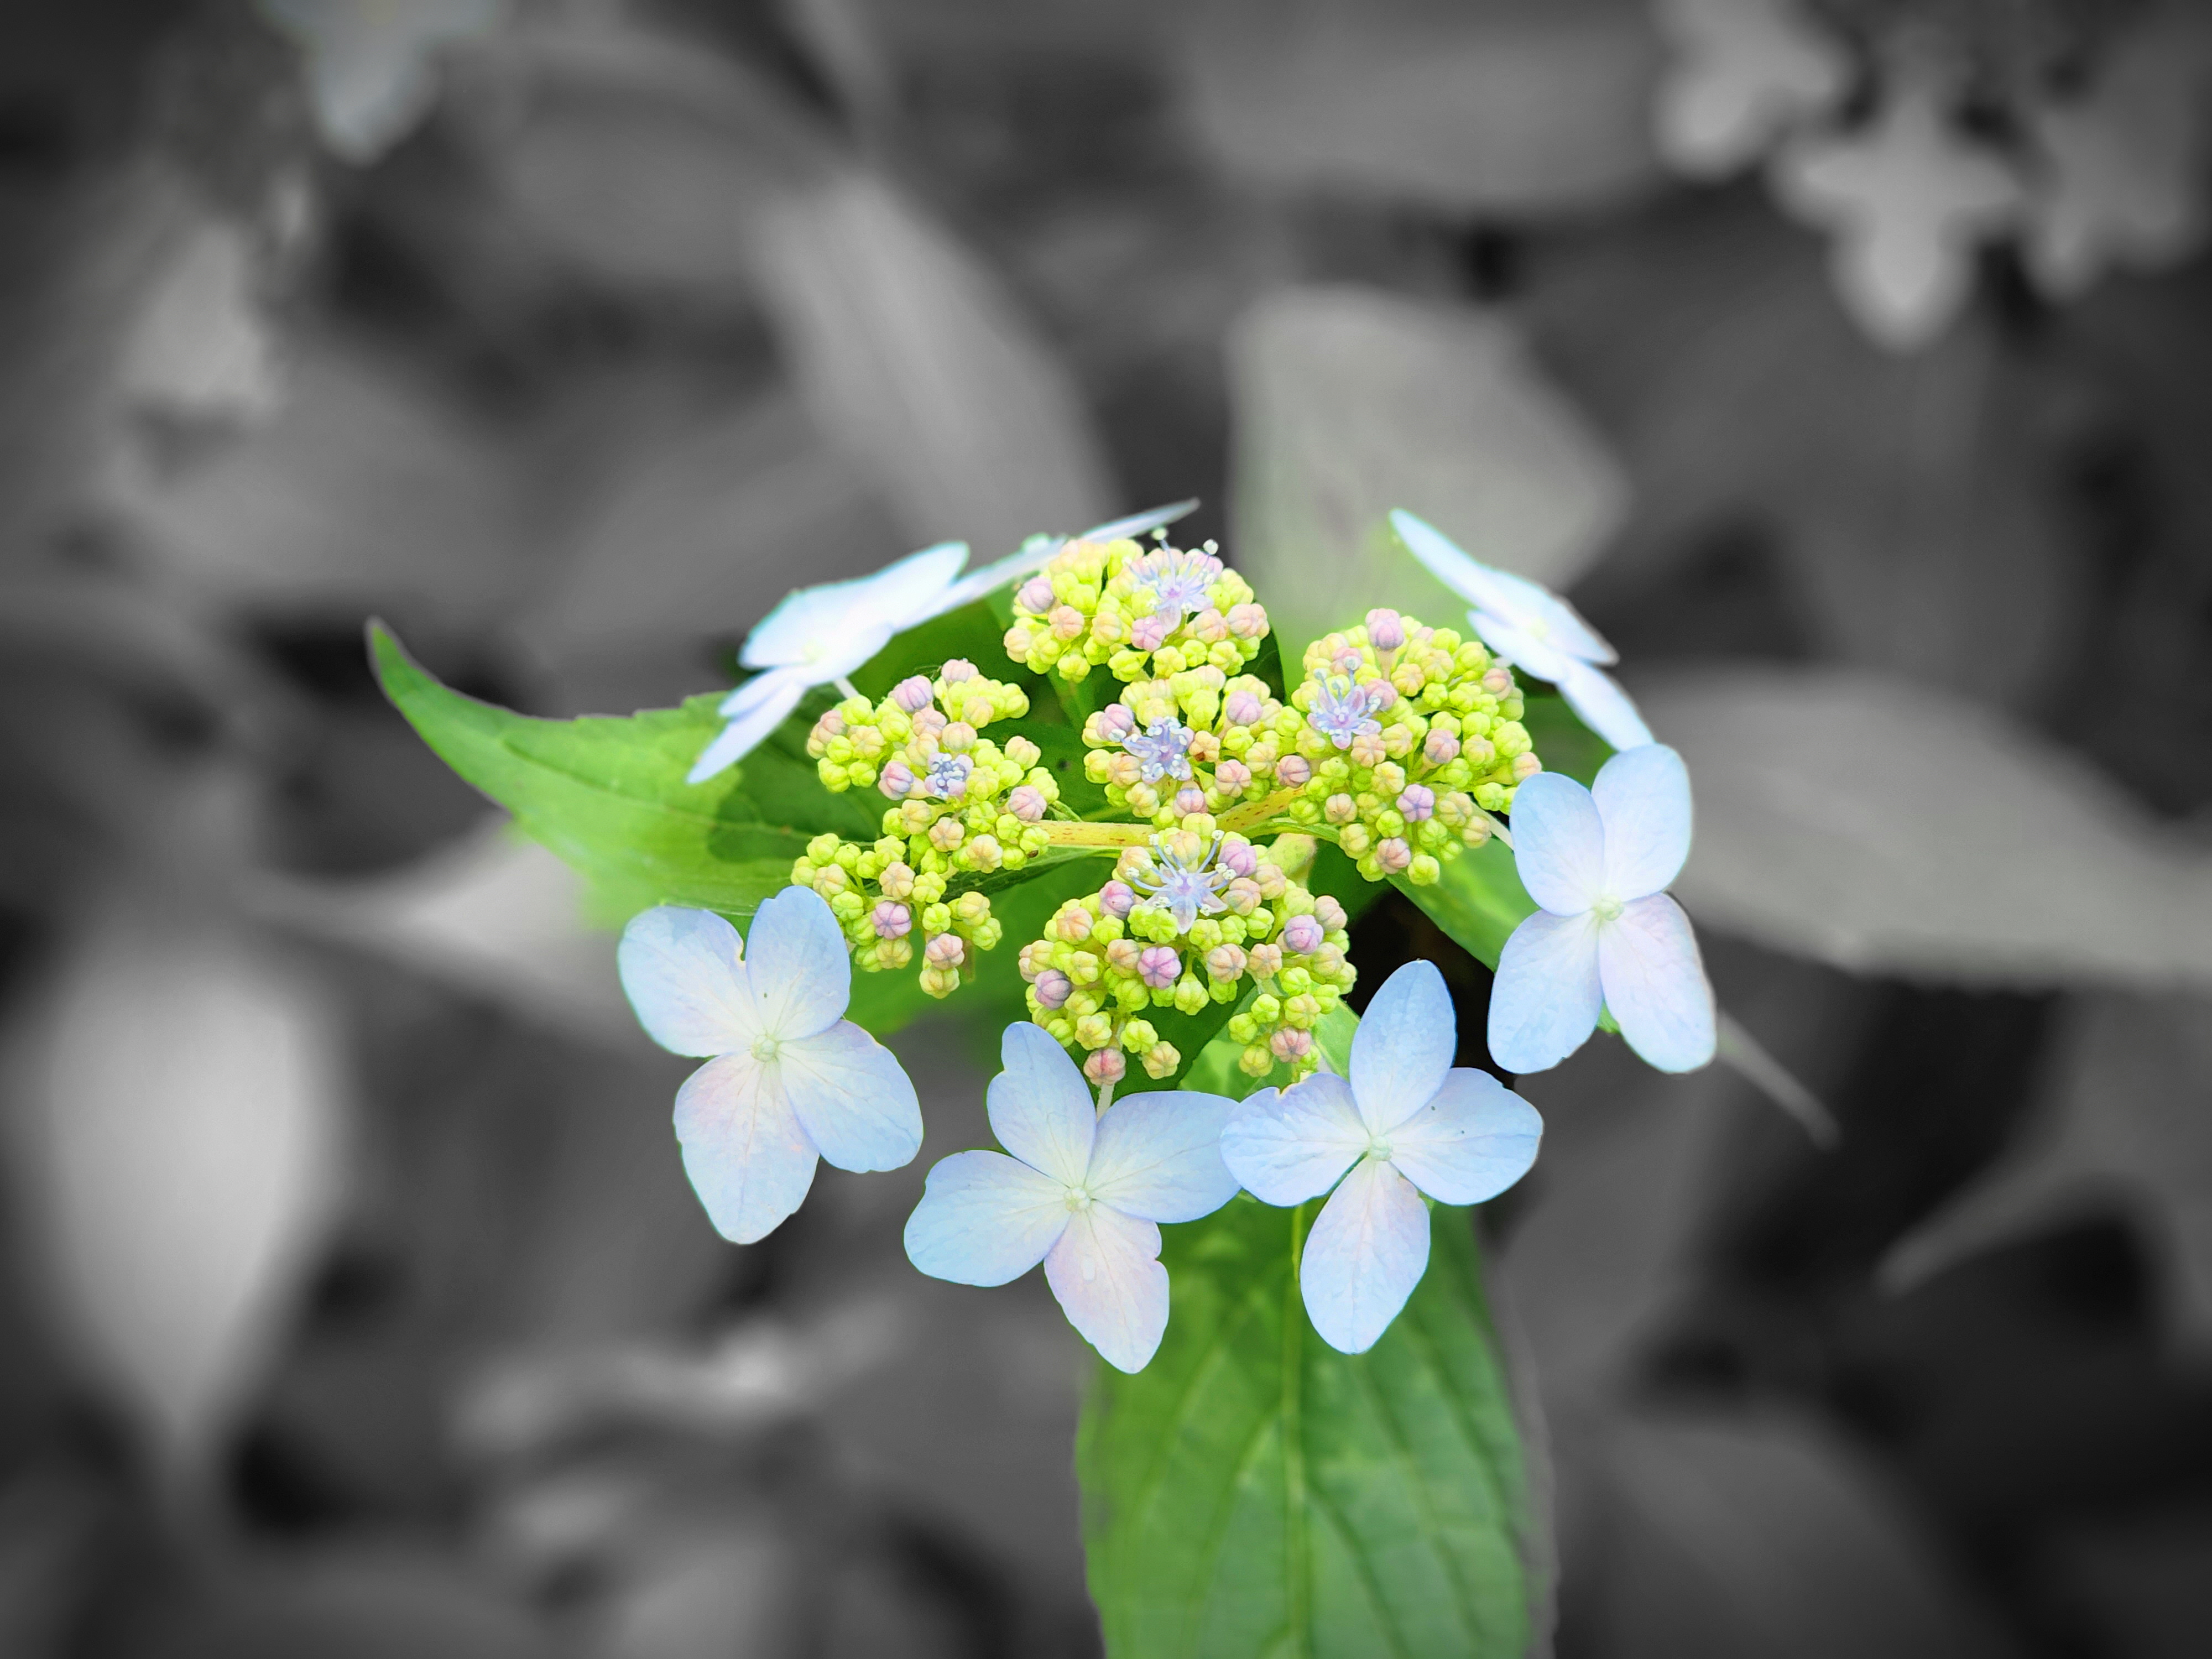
(1140, 613)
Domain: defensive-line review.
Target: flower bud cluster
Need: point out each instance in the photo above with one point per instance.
(1142, 612)
(1196, 742)
(1409, 735)
(1183, 923)
(963, 806)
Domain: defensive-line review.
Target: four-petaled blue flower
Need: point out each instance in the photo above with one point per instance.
(1533, 628)
(947, 777)
(1405, 1123)
(1162, 749)
(1083, 1194)
(819, 635)
(790, 1080)
(1608, 936)
(1343, 710)
(1184, 880)
(1178, 578)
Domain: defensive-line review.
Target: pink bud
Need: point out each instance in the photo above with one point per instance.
(944, 950)
(913, 694)
(1386, 630)
(1367, 749)
(1302, 935)
(1233, 777)
(1328, 913)
(1072, 924)
(1525, 767)
(1225, 962)
(1498, 682)
(1339, 808)
(1347, 661)
(1066, 624)
(1243, 708)
(1294, 771)
(1036, 596)
(1248, 622)
(1239, 857)
(1159, 966)
(957, 669)
(1115, 722)
(896, 779)
(1189, 798)
(1053, 988)
(1265, 959)
(1117, 898)
(1440, 747)
(928, 722)
(1393, 855)
(1418, 803)
(1122, 956)
(1107, 1066)
(1291, 1043)
(1027, 803)
(1150, 633)
(1036, 956)
(890, 919)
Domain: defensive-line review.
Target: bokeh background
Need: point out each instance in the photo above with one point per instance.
(1851, 365)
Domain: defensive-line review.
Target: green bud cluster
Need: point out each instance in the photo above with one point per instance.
(1441, 745)
(1140, 612)
(1184, 923)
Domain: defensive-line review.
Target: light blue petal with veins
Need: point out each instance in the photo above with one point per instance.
(1403, 1046)
(1655, 984)
(681, 970)
(1107, 1274)
(745, 732)
(1643, 797)
(852, 1098)
(1544, 1003)
(985, 1219)
(1288, 1147)
(1515, 600)
(1368, 1250)
(1597, 699)
(1157, 1156)
(1469, 1145)
(749, 1160)
(1040, 1107)
(1558, 844)
(1524, 651)
(823, 627)
(802, 975)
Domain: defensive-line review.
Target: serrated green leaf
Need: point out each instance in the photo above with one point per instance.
(1479, 900)
(1253, 1491)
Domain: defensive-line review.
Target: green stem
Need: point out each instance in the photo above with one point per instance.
(1099, 838)
(1297, 1579)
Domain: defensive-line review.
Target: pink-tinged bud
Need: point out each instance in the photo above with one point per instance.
(1381, 695)
(913, 694)
(1346, 662)
(831, 725)
(1210, 626)
(1440, 748)
(1150, 633)
(1247, 620)
(1386, 630)
(1393, 855)
(1067, 624)
(1243, 896)
(896, 781)
(1329, 913)
(1498, 682)
(1302, 935)
(1294, 771)
(928, 722)
(1265, 960)
(1225, 962)
(945, 951)
(1189, 798)
(1054, 989)
(958, 737)
(890, 919)
(1271, 881)
(1124, 771)
(1117, 898)
(1367, 750)
(1106, 1065)
(1115, 722)
(1159, 966)
(1243, 708)
(1525, 767)
(1418, 805)
(1339, 808)
(1035, 596)
(1233, 777)
(1036, 956)
(1122, 956)
(957, 669)
(1291, 1043)
(1072, 924)
(1027, 803)
(1238, 857)
(946, 833)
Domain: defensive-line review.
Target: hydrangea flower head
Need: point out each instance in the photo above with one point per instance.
(1083, 1193)
(1404, 1123)
(787, 1078)
(1185, 879)
(1598, 861)
(1533, 628)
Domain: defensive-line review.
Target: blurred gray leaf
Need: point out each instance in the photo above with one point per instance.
(909, 353)
(1891, 827)
(734, 1591)
(1527, 107)
(201, 347)
(176, 1144)
(370, 62)
(2126, 1123)
(348, 1601)
(1349, 402)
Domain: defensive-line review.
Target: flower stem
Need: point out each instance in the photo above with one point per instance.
(1103, 837)
(1238, 819)
(847, 686)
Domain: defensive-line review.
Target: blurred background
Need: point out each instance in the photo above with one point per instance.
(1850, 362)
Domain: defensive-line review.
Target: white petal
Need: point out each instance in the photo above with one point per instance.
(1106, 1272)
(852, 1098)
(1159, 1155)
(985, 1219)
(802, 976)
(993, 576)
(1654, 983)
(1403, 1046)
(1558, 844)
(1369, 1248)
(1512, 599)
(749, 1160)
(821, 625)
(1041, 1109)
(1544, 1003)
(680, 970)
(1604, 708)
(744, 734)
(1643, 797)
(1469, 1145)
(1140, 524)
(1288, 1147)
(1523, 650)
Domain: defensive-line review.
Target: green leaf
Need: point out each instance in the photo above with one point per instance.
(1479, 900)
(1253, 1491)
